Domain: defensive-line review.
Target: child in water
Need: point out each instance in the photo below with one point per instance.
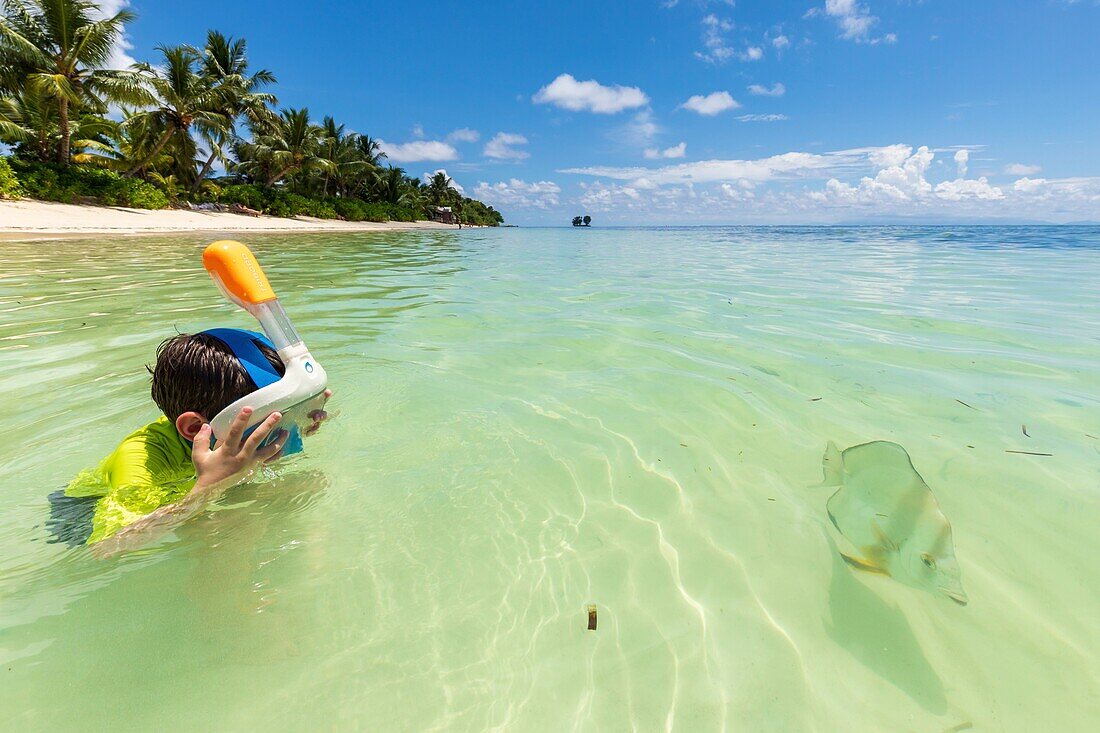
(166, 472)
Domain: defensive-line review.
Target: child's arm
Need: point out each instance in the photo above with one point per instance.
(216, 469)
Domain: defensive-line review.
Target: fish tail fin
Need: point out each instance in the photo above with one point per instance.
(832, 464)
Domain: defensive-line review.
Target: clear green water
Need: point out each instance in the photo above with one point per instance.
(534, 420)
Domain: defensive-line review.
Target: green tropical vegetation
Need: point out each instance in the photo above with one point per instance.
(154, 135)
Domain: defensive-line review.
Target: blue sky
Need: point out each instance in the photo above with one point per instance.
(700, 112)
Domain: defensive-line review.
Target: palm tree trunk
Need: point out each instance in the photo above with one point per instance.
(63, 148)
(168, 133)
(202, 174)
(271, 179)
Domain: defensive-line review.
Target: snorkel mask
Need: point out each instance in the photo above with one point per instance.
(301, 389)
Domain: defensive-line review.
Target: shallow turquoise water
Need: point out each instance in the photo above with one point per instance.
(531, 421)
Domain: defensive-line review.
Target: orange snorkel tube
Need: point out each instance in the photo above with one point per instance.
(300, 391)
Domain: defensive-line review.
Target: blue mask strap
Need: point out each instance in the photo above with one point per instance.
(243, 345)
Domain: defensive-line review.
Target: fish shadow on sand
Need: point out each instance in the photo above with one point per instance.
(879, 637)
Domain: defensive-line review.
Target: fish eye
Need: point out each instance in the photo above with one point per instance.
(929, 561)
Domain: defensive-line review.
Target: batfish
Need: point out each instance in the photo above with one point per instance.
(889, 514)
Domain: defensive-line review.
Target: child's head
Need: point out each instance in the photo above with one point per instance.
(196, 376)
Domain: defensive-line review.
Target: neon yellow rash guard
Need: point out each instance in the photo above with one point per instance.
(150, 468)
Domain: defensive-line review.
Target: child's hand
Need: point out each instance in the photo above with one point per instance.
(318, 416)
(233, 457)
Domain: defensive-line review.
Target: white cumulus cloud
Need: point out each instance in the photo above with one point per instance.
(775, 90)
(963, 188)
(786, 166)
(640, 131)
(711, 104)
(589, 96)
(676, 151)
(962, 158)
(519, 194)
(742, 192)
(855, 21)
(888, 156)
(1020, 169)
(717, 50)
(1029, 185)
(903, 180)
(502, 147)
(418, 150)
(781, 42)
(892, 182)
(463, 135)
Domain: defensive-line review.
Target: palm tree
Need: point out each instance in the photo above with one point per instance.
(370, 150)
(216, 141)
(13, 127)
(130, 141)
(225, 65)
(335, 147)
(392, 186)
(225, 62)
(291, 145)
(440, 189)
(184, 99)
(92, 138)
(30, 121)
(60, 51)
(360, 166)
(415, 194)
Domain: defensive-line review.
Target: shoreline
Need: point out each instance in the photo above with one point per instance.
(28, 219)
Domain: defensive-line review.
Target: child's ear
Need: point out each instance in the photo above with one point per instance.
(188, 425)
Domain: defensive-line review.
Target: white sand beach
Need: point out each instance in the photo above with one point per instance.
(26, 219)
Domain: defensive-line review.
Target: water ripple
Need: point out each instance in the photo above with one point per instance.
(530, 423)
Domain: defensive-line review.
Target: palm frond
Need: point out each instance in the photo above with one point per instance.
(54, 86)
(12, 129)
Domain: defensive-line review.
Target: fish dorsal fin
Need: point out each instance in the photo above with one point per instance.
(844, 510)
(881, 475)
(829, 510)
(876, 451)
(832, 465)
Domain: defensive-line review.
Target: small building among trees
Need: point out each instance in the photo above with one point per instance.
(444, 215)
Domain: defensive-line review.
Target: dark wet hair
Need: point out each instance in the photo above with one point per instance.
(197, 372)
